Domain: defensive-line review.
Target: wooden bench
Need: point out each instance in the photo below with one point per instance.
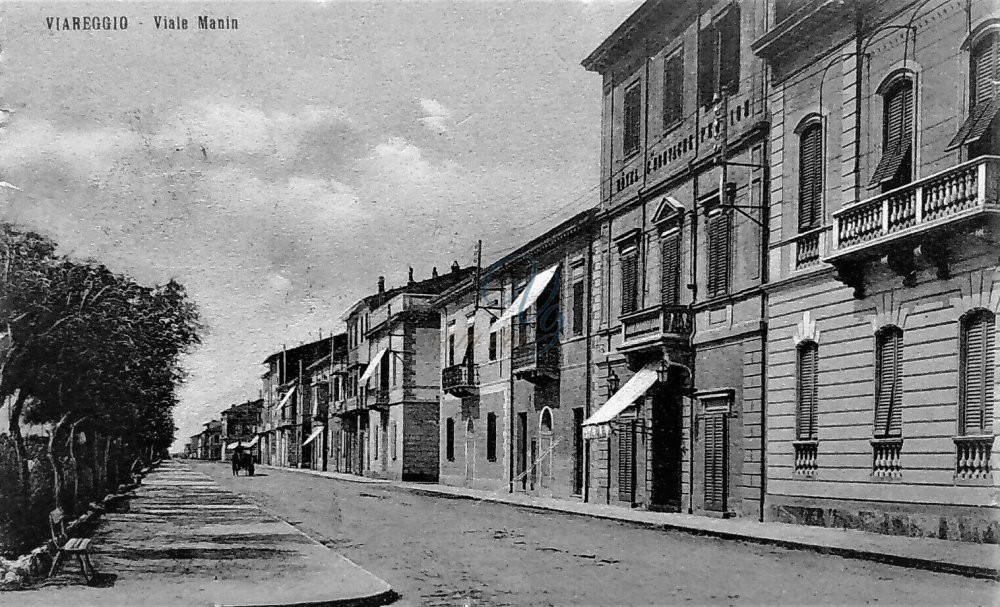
(69, 545)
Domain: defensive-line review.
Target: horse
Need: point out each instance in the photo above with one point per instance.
(242, 461)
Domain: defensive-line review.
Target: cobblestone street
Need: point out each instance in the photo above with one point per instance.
(434, 550)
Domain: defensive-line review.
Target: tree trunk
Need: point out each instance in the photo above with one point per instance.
(107, 466)
(58, 475)
(74, 494)
(20, 451)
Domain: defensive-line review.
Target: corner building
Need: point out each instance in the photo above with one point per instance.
(678, 307)
(881, 379)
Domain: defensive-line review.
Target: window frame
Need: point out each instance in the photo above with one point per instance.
(808, 430)
(812, 124)
(449, 444)
(714, 288)
(491, 437)
(673, 115)
(895, 403)
(987, 404)
(629, 297)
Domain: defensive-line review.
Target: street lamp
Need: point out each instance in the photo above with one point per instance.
(663, 372)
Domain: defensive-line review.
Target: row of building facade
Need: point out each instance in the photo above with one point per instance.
(783, 307)
(237, 426)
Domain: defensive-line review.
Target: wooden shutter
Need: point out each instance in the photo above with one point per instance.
(630, 284)
(806, 402)
(985, 68)
(578, 308)
(729, 50)
(715, 461)
(670, 257)
(889, 383)
(673, 89)
(632, 119)
(810, 177)
(626, 460)
(897, 133)
(707, 75)
(978, 345)
(718, 254)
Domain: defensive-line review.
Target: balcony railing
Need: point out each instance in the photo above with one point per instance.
(973, 456)
(461, 379)
(652, 326)
(377, 397)
(954, 194)
(535, 359)
(886, 460)
(809, 248)
(805, 457)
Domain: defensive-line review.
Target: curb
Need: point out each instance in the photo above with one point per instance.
(378, 599)
(911, 562)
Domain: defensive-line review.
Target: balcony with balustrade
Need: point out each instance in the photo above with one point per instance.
(914, 226)
(461, 380)
(534, 356)
(653, 330)
(377, 398)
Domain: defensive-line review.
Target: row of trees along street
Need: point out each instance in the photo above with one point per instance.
(90, 357)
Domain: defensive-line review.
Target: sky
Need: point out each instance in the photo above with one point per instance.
(278, 169)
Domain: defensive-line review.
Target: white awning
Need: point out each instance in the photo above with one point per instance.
(288, 395)
(247, 445)
(598, 425)
(253, 443)
(371, 367)
(528, 297)
(313, 436)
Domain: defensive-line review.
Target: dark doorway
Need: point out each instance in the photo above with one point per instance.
(667, 439)
(578, 450)
(522, 449)
(626, 460)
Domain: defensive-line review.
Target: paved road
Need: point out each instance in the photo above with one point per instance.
(434, 550)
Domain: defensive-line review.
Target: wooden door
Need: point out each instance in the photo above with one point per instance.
(626, 461)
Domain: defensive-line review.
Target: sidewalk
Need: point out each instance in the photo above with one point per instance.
(961, 558)
(184, 540)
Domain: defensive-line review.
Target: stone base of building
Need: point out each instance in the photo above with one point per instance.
(964, 524)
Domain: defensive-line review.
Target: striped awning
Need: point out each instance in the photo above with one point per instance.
(598, 425)
(371, 366)
(531, 294)
(313, 436)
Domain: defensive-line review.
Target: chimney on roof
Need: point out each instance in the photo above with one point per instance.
(410, 279)
(434, 272)
(454, 266)
(381, 284)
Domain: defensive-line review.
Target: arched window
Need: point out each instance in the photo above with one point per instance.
(895, 168)
(545, 423)
(806, 401)
(888, 382)
(810, 176)
(977, 373)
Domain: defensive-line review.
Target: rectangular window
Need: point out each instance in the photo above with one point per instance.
(451, 349)
(673, 90)
(491, 437)
(889, 383)
(719, 253)
(807, 376)
(633, 119)
(670, 267)
(578, 307)
(719, 57)
(449, 441)
(630, 280)
(493, 345)
(895, 167)
(977, 373)
(375, 436)
(470, 352)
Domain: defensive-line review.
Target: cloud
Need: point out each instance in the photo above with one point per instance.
(85, 152)
(438, 118)
(239, 130)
